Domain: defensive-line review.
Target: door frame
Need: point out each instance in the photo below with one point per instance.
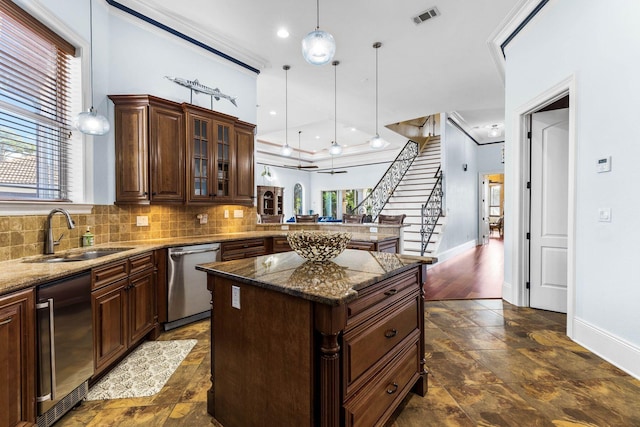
(520, 204)
(481, 176)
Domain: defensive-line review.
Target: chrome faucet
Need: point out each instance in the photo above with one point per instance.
(49, 243)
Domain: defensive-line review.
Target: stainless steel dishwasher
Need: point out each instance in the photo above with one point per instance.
(65, 345)
(188, 299)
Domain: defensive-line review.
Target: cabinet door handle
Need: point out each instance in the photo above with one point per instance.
(6, 321)
(154, 193)
(391, 292)
(390, 333)
(393, 388)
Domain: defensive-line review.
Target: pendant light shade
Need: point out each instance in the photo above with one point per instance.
(376, 142)
(335, 149)
(286, 149)
(318, 47)
(90, 122)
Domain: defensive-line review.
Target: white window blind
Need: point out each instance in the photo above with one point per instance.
(34, 108)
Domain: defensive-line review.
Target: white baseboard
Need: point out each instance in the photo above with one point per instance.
(613, 349)
(507, 293)
(443, 256)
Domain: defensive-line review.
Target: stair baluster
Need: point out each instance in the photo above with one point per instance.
(431, 212)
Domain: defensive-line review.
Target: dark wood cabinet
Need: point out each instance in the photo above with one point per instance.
(220, 158)
(124, 307)
(17, 352)
(350, 364)
(246, 248)
(244, 191)
(270, 200)
(389, 246)
(149, 146)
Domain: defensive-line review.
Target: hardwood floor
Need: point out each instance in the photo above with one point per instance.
(477, 273)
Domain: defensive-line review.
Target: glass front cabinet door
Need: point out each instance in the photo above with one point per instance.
(209, 152)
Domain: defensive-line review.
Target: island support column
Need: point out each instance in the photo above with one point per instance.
(329, 322)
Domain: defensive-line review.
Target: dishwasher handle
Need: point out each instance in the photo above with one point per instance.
(195, 251)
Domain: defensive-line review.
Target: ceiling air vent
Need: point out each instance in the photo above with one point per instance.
(426, 15)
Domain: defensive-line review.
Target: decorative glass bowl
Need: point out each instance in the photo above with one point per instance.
(318, 246)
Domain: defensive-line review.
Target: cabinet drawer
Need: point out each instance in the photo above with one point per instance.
(106, 274)
(281, 244)
(385, 391)
(362, 245)
(242, 249)
(383, 293)
(369, 342)
(140, 262)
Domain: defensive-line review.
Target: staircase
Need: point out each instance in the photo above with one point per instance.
(411, 193)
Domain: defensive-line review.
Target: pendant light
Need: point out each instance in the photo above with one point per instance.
(377, 142)
(90, 122)
(335, 149)
(286, 149)
(318, 47)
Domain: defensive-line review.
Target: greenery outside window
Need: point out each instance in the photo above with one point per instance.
(34, 101)
(330, 203)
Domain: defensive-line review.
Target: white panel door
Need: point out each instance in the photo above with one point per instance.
(549, 210)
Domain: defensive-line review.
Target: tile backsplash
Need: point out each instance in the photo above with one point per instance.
(24, 235)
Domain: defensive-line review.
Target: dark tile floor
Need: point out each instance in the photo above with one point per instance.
(490, 363)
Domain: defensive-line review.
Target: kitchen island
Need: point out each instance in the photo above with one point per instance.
(296, 343)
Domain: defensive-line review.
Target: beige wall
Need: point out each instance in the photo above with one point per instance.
(22, 236)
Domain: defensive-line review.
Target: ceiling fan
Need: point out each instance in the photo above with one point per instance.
(299, 161)
(332, 171)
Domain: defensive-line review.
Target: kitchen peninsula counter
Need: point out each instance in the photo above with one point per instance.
(318, 344)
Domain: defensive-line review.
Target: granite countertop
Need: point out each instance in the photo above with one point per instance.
(23, 273)
(331, 282)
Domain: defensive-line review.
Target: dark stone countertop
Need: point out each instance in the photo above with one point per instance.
(330, 282)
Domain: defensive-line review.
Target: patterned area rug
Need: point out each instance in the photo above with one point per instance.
(144, 372)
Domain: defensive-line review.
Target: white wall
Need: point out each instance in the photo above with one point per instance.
(598, 46)
(460, 189)
(489, 158)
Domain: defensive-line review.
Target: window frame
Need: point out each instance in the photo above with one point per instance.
(80, 184)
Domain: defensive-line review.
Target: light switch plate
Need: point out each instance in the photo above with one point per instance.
(238, 213)
(604, 214)
(226, 213)
(142, 221)
(235, 297)
(284, 227)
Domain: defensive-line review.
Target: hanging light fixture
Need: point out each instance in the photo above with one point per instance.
(90, 122)
(335, 149)
(318, 47)
(377, 142)
(286, 149)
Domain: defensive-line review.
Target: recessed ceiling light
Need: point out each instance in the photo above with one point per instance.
(283, 33)
(353, 129)
(273, 113)
(317, 136)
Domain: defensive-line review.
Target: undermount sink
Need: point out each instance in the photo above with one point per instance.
(79, 256)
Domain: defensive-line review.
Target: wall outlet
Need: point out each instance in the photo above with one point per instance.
(373, 229)
(284, 227)
(235, 297)
(226, 213)
(238, 213)
(142, 221)
(204, 218)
